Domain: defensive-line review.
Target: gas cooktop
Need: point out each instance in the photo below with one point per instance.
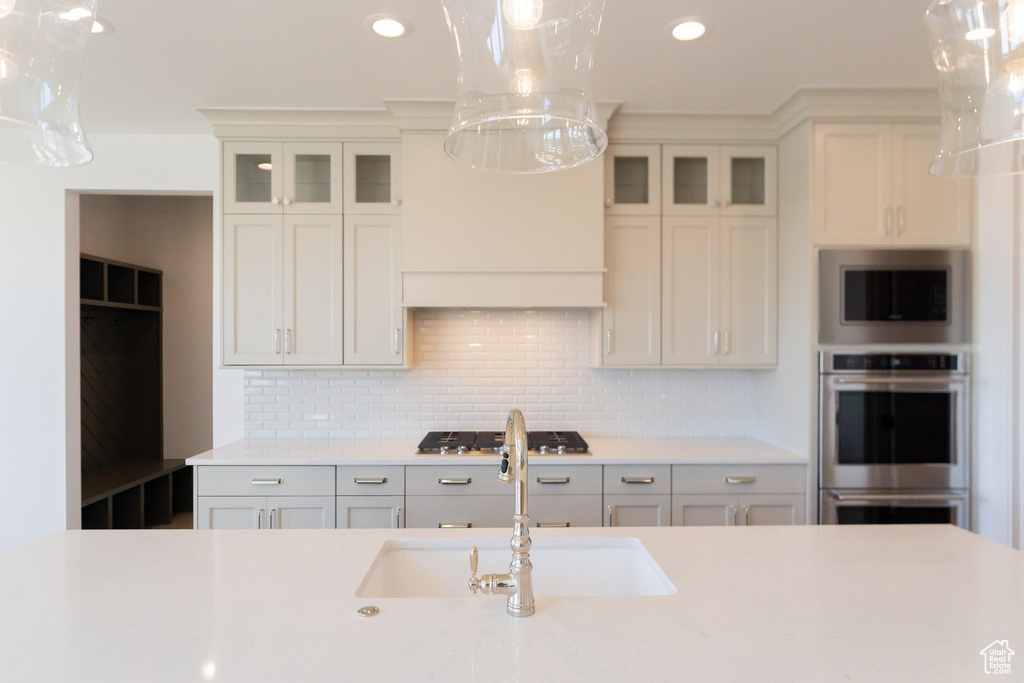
(479, 443)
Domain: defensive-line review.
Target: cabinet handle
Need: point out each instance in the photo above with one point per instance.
(266, 481)
(259, 518)
(271, 525)
(277, 340)
(275, 200)
(638, 480)
(552, 480)
(888, 220)
(744, 512)
(725, 343)
(607, 342)
(286, 201)
(394, 341)
(381, 480)
(899, 222)
(455, 525)
(730, 519)
(288, 341)
(553, 525)
(457, 482)
(398, 517)
(740, 480)
(608, 202)
(611, 515)
(714, 341)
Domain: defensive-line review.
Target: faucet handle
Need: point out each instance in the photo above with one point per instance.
(474, 583)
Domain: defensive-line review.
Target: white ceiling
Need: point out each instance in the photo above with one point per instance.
(165, 59)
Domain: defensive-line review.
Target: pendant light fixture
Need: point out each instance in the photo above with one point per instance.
(42, 46)
(978, 47)
(525, 101)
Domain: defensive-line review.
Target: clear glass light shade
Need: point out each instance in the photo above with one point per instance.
(978, 47)
(525, 101)
(42, 46)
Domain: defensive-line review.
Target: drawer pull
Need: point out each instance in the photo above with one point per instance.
(268, 481)
(456, 525)
(638, 480)
(381, 480)
(552, 480)
(740, 480)
(458, 482)
(553, 525)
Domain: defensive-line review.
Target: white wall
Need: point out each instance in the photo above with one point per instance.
(172, 234)
(38, 265)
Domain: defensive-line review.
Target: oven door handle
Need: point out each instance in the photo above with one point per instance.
(914, 497)
(943, 381)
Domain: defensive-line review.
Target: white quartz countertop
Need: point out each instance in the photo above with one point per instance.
(836, 603)
(603, 451)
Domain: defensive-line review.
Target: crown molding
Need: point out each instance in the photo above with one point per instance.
(240, 122)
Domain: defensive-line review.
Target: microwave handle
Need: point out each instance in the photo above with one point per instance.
(916, 497)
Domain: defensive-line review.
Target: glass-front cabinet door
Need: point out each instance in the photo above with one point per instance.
(632, 182)
(690, 179)
(282, 177)
(373, 177)
(748, 180)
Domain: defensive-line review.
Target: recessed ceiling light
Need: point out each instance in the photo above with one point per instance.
(387, 26)
(689, 29)
(980, 34)
(100, 25)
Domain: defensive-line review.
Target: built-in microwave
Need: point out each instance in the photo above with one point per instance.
(893, 296)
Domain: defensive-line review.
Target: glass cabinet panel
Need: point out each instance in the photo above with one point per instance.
(313, 177)
(253, 177)
(690, 180)
(749, 185)
(373, 178)
(632, 183)
(748, 181)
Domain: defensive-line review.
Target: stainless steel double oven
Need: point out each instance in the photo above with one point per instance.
(894, 438)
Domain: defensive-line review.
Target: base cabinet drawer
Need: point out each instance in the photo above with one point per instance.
(751, 510)
(371, 512)
(637, 479)
(561, 480)
(564, 511)
(637, 510)
(458, 512)
(265, 512)
(265, 480)
(738, 479)
(454, 480)
(369, 480)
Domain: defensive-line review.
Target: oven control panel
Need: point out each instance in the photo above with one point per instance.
(892, 362)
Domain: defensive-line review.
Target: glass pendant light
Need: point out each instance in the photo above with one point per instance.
(978, 47)
(42, 46)
(525, 102)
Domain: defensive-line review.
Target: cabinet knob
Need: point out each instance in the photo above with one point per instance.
(275, 200)
(287, 201)
(718, 202)
(396, 202)
(608, 201)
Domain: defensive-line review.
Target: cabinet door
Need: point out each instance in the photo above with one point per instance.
(852, 180)
(459, 512)
(565, 511)
(930, 211)
(373, 177)
(749, 181)
(703, 510)
(632, 290)
(301, 512)
(252, 290)
(691, 184)
(748, 304)
(370, 512)
(313, 262)
(253, 177)
(374, 318)
(312, 177)
(690, 291)
(231, 512)
(632, 184)
(777, 509)
(637, 510)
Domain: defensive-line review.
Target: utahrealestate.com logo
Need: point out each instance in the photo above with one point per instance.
(997, 657)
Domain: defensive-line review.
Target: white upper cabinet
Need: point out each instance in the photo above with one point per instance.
(373, 177)
(632, 180)
(747, 317)
(871, 186)
(253, 285)
(374, 317)
(283, 177)
(719, 180)
(631, 331)
(690, 290)
(313, 284)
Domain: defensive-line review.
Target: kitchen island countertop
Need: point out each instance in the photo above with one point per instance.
(805, 603)
(604, 451)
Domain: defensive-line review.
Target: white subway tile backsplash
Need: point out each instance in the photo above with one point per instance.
(472, 366)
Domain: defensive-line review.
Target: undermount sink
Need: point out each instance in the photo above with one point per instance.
(562, 567)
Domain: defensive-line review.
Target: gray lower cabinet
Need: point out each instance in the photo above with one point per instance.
(637, 509)
(270, 512)
(738, 510)
(371, 512)
(564, 511)
(459, 512)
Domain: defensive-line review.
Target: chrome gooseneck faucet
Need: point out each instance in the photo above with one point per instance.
(517, 584)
